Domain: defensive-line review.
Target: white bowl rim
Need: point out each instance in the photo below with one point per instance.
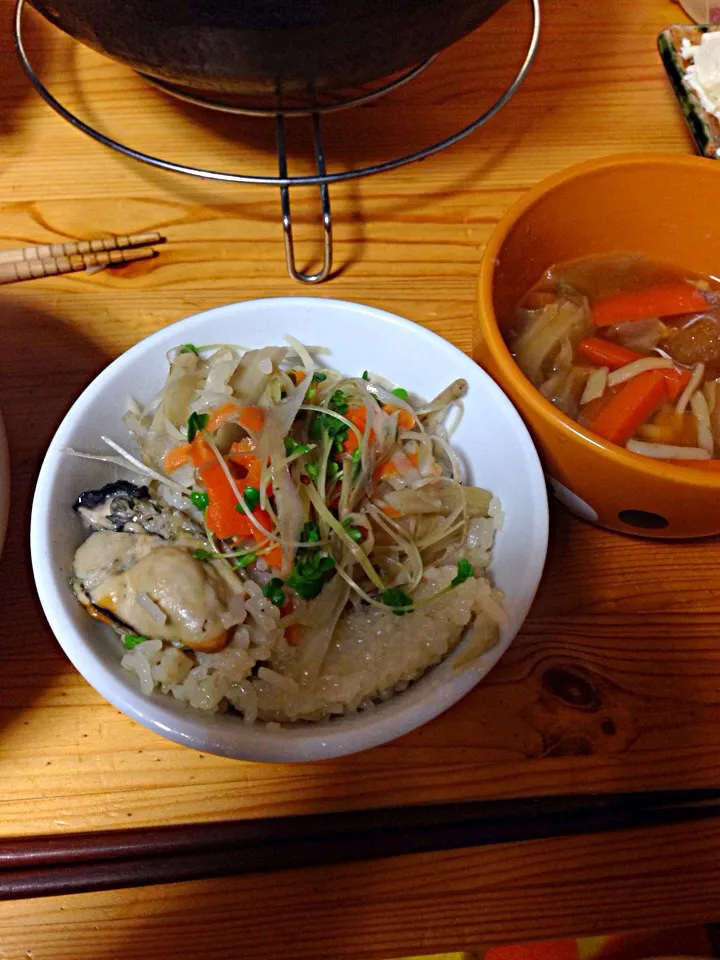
(301, 742)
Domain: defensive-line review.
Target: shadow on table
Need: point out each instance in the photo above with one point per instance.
(44, 365)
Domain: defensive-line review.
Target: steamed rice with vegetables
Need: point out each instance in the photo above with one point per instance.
(297, 544)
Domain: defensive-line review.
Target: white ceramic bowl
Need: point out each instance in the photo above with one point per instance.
(491, 438)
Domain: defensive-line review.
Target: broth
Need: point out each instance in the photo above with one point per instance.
(630, 348)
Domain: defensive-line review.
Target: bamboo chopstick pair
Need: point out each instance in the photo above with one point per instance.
(46, 260)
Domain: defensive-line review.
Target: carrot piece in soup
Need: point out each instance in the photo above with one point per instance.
(670, 300)
(603, 353)
(639, 399)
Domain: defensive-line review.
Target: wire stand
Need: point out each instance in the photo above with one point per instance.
(322, 178)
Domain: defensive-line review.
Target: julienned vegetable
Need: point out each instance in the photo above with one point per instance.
(304, 545)
(347, 483)
(629, 348)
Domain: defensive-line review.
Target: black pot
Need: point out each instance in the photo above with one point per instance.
(250, 47)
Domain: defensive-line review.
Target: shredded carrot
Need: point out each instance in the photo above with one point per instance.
(252, 418)
(292, 634)
(201, 452)
(405, 420)
(390, 511)
(297, 376)
(358, 417)
(670, 300)
(414, 459)
(639, 399)
(603, 353)
(176, 457)
(385, 470)
(221, 415)
(221, 516)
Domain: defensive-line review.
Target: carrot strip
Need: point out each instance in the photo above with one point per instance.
(201, 452)
(386, 469)
(252, 418)
(603, 353)
(405, 420)
(669, 300)
(176, 457)
(639, 399)
(292, 634)
(221, 415)
(676, 381)
(390, 512)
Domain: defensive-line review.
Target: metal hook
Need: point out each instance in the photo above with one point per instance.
(324, 271)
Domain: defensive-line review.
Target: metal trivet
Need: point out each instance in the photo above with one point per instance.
(322, 179)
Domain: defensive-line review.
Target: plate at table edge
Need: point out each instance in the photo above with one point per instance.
(360, 337)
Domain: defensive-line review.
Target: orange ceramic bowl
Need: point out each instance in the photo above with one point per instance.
(667, 207)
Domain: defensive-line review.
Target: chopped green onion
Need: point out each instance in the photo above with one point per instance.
(464, 572)
(400, 393)
(274, 591)
(366, 375)
(312, 470)
(252, 497)
(310, 532)
(339, 401)
(333, 468)
(357, 456)
(397, 599)
(353, 532)
(201, 500)
(189, 348)
(245, 561)
(291, 447)
(132, 640)
(196, 422)
(319, 377)
(201, 554)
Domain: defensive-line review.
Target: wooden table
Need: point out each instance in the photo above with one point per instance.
(614, 683)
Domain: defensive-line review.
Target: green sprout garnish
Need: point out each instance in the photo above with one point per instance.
(196, 422)
(132, 640)
(308, 577)
(274, 591)
(464, 572)
(201, 554)
(397, 599)
(245, 561)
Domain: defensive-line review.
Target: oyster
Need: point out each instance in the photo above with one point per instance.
(136, 570)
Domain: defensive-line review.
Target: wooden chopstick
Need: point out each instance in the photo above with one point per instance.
(11, 272)
(50, 251)
(49, 866)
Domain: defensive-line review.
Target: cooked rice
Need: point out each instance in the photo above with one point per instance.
(373, 654)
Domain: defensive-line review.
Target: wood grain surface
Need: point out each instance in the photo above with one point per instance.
(614, 683)
(463, 900)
